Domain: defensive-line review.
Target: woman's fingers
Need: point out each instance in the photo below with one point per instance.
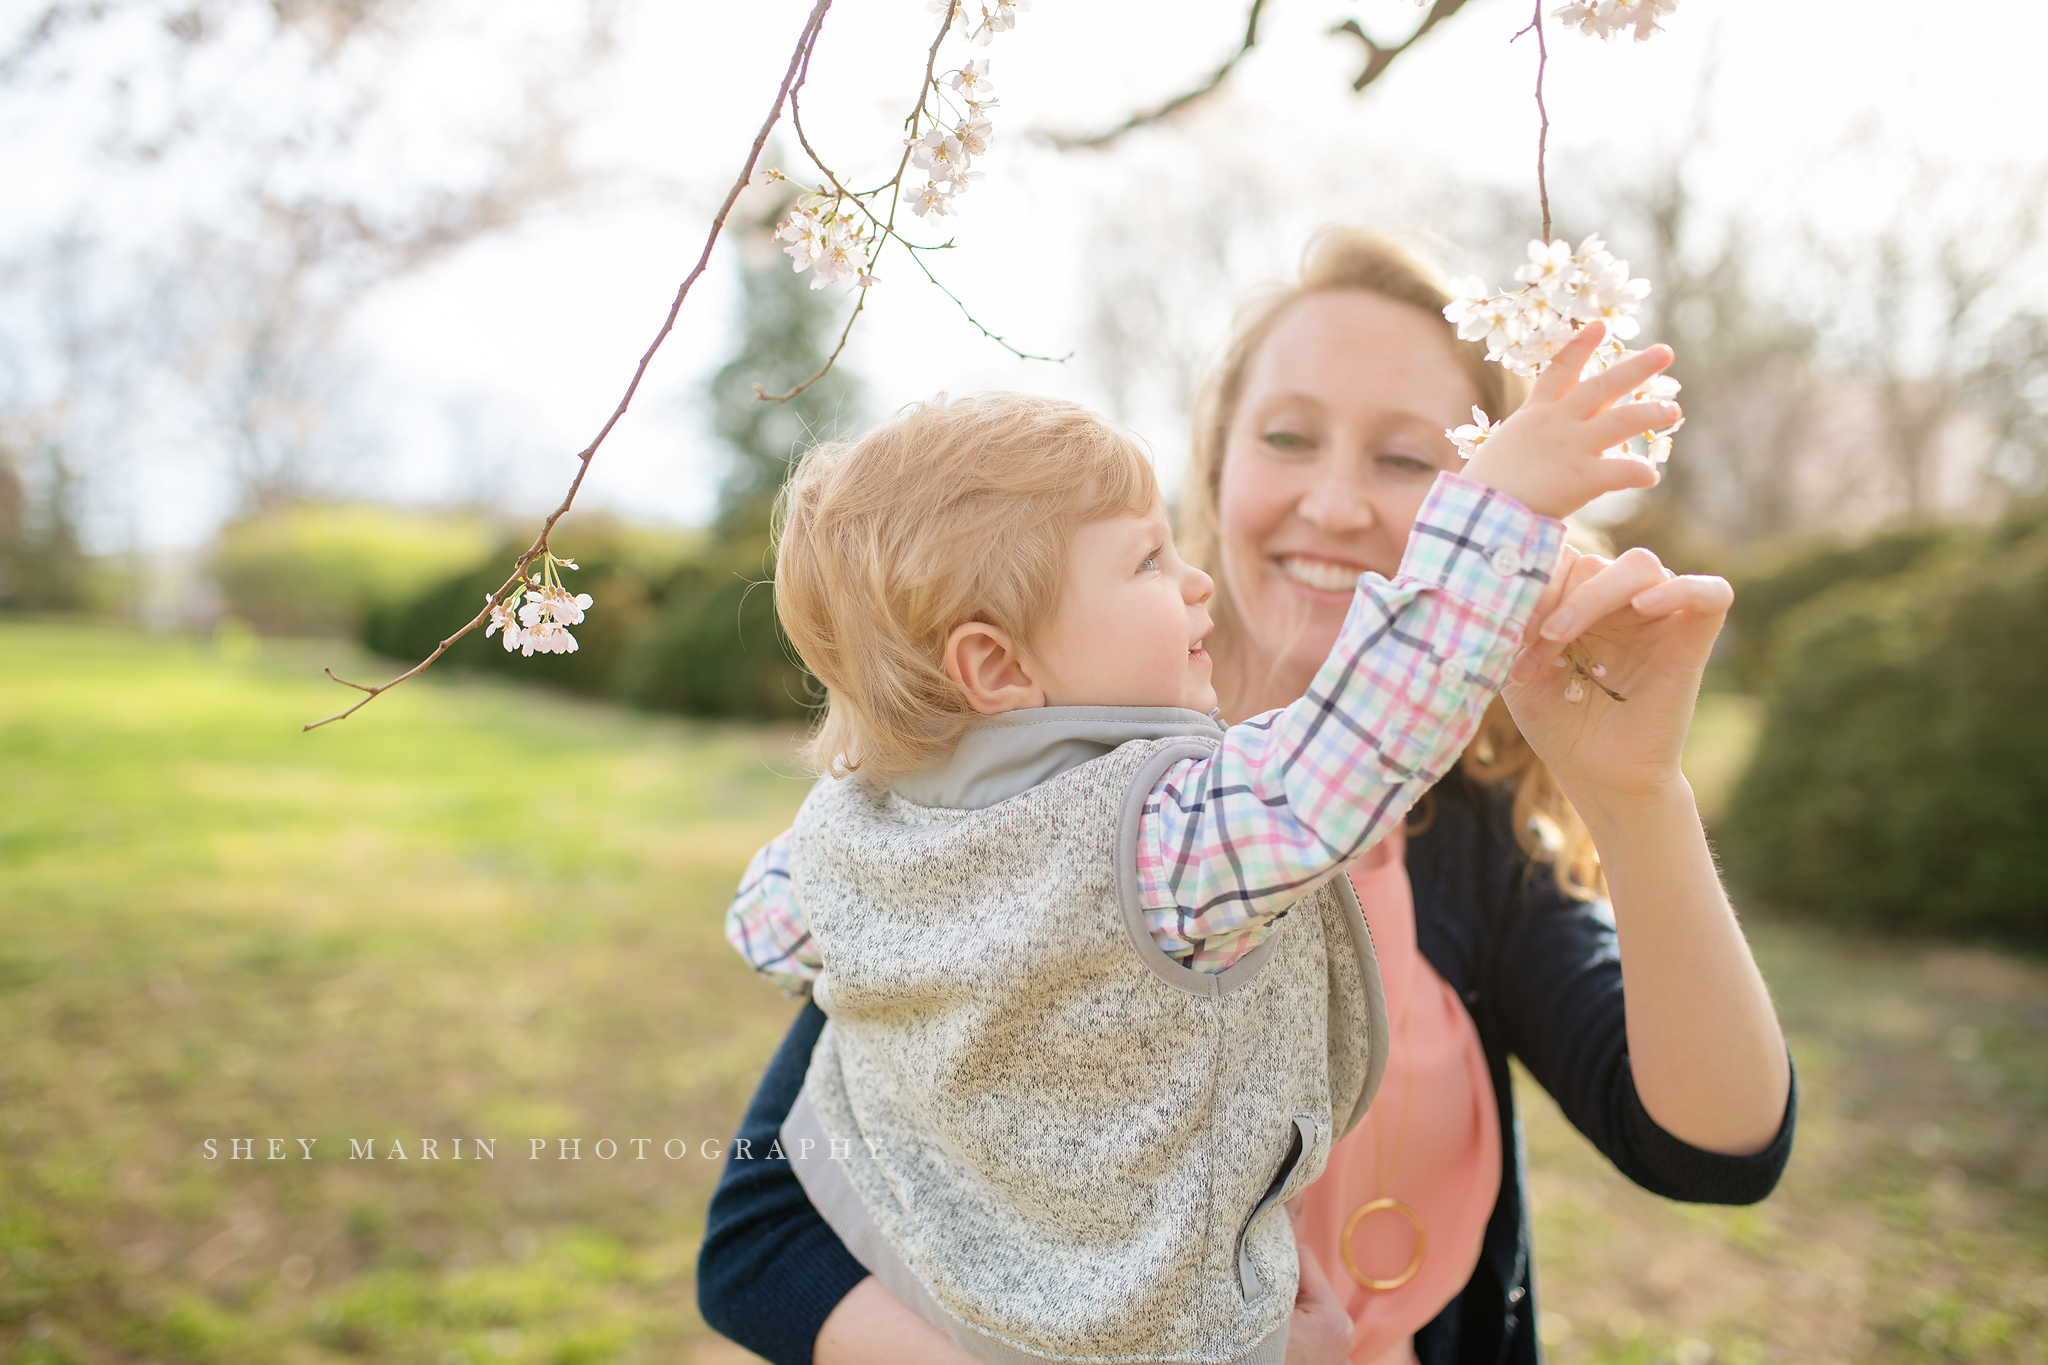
(1703, 594)
(1563, 371)
(1320, 1331)
(1634, 574)
(1620, 379)
(1561, 578)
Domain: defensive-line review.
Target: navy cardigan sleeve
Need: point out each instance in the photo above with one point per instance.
(1541, 973)
(771, 1271)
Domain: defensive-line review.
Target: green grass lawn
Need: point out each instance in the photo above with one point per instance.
(480, 912)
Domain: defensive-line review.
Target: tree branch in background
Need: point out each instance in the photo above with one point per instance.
(1068, 142)
(1378, 58)
(805, 42)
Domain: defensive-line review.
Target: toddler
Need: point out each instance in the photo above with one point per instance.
(1099, 1001)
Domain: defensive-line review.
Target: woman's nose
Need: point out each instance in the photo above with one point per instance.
(1338, 500)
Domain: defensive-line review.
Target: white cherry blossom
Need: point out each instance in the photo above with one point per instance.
(972, 81)
(564, 609)
(841, 259)
(940, 153)
(1605, 18)
(1472, 435)
(504, 617)
(547, 638)
(974, 136)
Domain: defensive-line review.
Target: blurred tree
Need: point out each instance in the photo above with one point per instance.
(716, 648)
(785, 335)
(1901, 775)
(41, 566)
(250, 171)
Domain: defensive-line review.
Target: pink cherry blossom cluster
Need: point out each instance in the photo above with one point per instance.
(827, 235)
(838, 235)
(536, 616)
(1605, 18)
(1562, 290)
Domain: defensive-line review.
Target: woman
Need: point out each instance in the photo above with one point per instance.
(1316, 439)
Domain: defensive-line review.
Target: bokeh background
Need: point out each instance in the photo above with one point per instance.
(305, 306)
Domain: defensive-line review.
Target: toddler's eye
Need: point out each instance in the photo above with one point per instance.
(1150, 564)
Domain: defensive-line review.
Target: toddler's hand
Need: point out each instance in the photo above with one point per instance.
(1546, 455)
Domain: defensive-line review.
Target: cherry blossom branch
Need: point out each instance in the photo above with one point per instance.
(798, 61)
(825, 228)
(1543, 130)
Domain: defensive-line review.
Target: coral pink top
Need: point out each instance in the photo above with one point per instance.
(1431, 1141)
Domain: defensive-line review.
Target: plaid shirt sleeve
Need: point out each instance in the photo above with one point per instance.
(1228, 842)
(767, 925)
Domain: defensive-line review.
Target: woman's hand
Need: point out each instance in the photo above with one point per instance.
(1705, 1049)
(1319, 1332)
(1650, 634)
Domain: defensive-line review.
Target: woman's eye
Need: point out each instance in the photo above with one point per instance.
(1404, 463)
(1286, 440)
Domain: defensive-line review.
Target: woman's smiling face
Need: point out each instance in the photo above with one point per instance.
(1337, 437)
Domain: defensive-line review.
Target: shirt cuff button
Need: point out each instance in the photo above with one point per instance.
(1451, 670)
(1506, 561)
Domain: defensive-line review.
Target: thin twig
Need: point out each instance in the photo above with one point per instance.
(805, 42)
(1068, 142)
(975, 322)
(762, 395)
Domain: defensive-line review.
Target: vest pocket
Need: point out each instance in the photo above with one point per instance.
(1306, 1137)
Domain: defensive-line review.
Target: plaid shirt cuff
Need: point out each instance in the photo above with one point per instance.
(767, 926)
(1483, 547)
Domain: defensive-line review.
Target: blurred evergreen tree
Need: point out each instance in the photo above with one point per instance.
(786, 331)
(716, 648)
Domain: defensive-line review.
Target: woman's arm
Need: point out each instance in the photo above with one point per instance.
(772, 1272)
(1707, 1055)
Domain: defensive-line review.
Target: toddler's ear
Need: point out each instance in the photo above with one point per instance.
(988, 666)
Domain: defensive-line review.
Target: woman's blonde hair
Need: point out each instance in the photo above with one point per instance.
(954, 510)
(1549, 830)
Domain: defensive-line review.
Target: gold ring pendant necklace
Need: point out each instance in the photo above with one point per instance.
(1385, 1203)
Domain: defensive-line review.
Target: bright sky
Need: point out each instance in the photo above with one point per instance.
(543, 327)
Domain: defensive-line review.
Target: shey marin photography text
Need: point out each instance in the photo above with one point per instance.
(536, 1149)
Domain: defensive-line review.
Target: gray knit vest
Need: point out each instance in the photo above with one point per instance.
(1043, 1134)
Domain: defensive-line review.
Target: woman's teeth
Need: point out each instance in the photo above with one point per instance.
(1321, 574)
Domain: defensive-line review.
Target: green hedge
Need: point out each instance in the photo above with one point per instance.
(699, 637)
(1764, 595)
(317, 569)
(1901, 775)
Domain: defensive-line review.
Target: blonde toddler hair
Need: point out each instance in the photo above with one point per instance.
(954, 510)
